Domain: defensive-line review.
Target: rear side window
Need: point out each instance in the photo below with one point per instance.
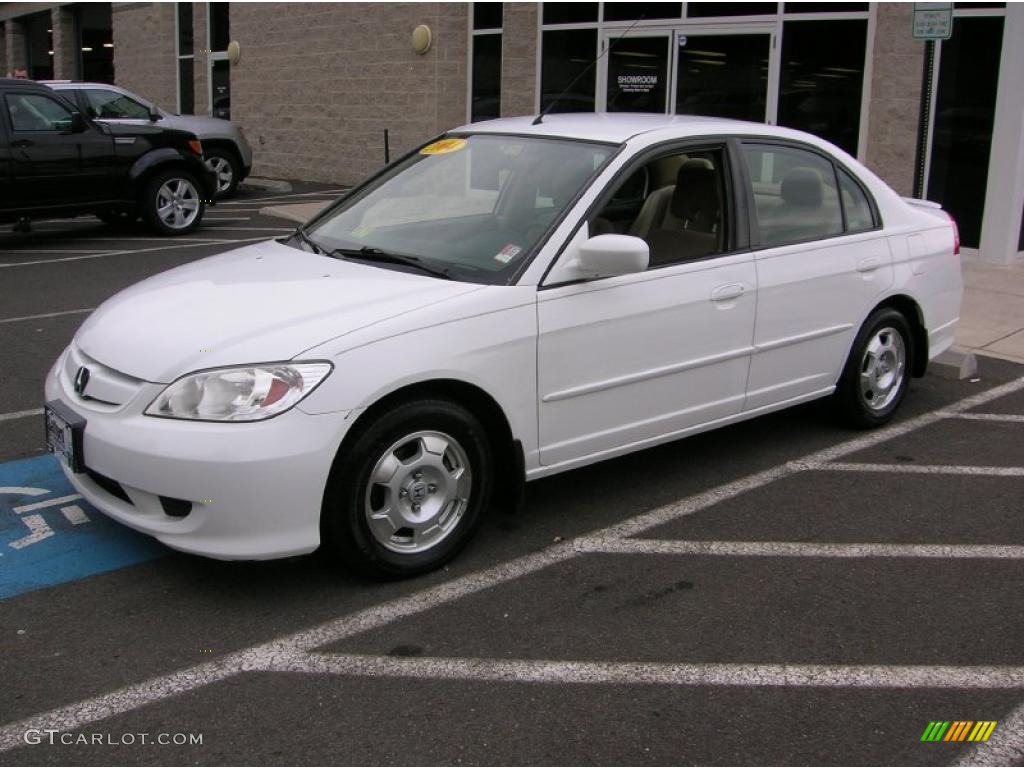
(859, 216)
(795, 194)
(35, 112)
(112, 105)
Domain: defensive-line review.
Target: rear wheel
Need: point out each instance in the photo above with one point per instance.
(410, 491)
(223, 165)
(171, 202)
(877, 373)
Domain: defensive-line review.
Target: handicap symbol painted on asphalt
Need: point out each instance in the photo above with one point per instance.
(50, 535)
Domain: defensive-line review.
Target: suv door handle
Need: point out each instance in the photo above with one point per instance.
(21, 143)
(728, 291)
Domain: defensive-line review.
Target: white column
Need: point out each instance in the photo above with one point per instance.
(1004, 193)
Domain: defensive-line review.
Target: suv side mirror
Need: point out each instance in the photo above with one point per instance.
(78, 124)
(612, 255)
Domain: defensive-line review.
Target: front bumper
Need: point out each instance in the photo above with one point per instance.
(255, 488)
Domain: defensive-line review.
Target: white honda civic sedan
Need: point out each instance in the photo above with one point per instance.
(506, 302)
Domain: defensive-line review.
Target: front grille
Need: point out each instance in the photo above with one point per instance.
(110, 486)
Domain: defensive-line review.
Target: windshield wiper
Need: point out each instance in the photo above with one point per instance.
(366, 253)
(301, 234)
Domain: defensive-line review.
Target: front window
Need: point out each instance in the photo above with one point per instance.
(473, 207)
(33, 112)
(111, 105)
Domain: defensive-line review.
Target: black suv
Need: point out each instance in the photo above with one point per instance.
(54, 161)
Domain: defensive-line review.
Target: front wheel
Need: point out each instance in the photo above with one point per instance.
(410, 491)
(877, 373)
(171, 203)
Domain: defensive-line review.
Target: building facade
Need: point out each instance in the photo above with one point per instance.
(318, 86)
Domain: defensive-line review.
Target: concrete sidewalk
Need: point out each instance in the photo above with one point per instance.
(991, 321)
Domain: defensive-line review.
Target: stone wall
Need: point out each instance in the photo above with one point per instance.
(317, 84)
(519, 59)
(145, 51)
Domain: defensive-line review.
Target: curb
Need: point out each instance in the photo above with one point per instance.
(955, 363)
(273, 185)
(282, 212)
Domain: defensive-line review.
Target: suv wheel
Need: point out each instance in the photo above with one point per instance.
(171, 203)
(223, 165)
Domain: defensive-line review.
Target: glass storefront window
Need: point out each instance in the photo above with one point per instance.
(186, 95)
(822, 79)
(723, 76)
(39, 46)
(826, 7)
(705, 10)
(633, 11)
(638, 74)
(220, 34)
(965, 105)
(185, 40)
(487, 15)
(565, 54)
(486, 77)
(97, 42)
(569, 13)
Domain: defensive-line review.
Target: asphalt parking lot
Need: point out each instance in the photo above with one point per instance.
(777, 592)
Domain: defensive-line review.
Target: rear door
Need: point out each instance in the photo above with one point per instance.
(822, 263)
(51, 164)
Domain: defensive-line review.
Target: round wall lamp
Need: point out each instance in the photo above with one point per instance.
(421, 39)
(234, 52)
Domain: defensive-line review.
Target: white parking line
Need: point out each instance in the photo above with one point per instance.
(798, 549)
(20, 414)
(1005, 747)
(657, 673)
(1010, 417)
(288, 650)
(105, 254)
(45, 315)
(925, 469)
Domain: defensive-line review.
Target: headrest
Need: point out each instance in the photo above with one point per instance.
(802, 187)
(695, 192)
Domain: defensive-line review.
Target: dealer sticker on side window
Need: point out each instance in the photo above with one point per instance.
(443, 147)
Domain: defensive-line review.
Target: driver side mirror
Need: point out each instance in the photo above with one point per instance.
(612, 255)
(154, 115)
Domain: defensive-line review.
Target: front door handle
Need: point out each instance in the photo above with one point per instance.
(22, 143)
(727, 292)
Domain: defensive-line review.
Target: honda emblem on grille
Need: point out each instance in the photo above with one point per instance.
(81, 380)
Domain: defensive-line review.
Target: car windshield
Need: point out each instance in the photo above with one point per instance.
(473, 207)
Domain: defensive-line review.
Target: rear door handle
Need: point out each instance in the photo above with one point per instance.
(727, 292)
(869, 265)
(21, 143)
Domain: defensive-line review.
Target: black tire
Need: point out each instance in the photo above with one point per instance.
(149, 204)
(852, 404)
(345, 530)
(118, 217)
(227, 156)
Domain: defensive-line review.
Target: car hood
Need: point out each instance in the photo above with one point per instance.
(261, 303)
(200, 126)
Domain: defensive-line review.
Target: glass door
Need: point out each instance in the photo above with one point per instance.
(636, 72)
(725, 74)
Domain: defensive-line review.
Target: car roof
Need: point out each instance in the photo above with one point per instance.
(619, 127)
(22, 82)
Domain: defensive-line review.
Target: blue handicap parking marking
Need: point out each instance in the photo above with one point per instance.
(50, 535)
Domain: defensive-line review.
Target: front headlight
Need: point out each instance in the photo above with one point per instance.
(242, 393)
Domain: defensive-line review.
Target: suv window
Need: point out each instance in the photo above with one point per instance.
(35, 112)
(112, 105)
(794, 194)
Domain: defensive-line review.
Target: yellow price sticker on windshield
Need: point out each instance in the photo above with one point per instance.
(443, 147)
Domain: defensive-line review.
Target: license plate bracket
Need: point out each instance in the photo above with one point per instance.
(65, 432)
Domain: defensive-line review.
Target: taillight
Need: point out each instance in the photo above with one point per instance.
(196, 146)
(956, 234)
